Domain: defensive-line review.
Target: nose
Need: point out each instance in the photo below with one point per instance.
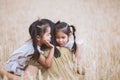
(60, 40)
(50, 36)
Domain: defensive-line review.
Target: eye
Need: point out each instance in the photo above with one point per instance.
(48, 34)
(63, 37)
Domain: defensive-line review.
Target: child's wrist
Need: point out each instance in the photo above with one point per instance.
(52, 47)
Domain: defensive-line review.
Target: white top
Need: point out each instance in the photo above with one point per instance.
(20, 58)
(69, 44)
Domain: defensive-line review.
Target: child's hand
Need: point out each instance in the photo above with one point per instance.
(47, 43)
(81, 71)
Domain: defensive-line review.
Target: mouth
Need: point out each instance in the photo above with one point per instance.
(61, 44)
(49, 40)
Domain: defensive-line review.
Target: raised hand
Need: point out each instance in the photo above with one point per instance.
(47, 43)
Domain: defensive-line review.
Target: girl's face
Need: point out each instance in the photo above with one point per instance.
(61, 38)
(46, 36)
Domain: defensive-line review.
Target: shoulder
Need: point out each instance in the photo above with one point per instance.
(69, 44)
(25, 48)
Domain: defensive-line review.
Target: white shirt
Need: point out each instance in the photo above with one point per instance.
(20, 58)
(69, 44)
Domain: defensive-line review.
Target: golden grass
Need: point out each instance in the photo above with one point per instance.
(97, 24)
(101, 55)
(101, 51)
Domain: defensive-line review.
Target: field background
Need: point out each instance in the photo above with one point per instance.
(97, 23)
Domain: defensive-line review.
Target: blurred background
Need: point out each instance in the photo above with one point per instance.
(97, 23)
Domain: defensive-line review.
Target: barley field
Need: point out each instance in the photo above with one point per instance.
(97, 23)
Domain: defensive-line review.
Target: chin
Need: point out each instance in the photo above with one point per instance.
(61, 45)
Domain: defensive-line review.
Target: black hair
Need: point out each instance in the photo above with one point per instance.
(39, 28)
(65, 28)
(52, 26)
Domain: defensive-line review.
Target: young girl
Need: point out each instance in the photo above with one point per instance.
(40, 32)
(61, 66)
(62, 33)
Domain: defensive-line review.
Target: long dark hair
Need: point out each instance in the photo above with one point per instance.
(38, 28)
(65, 28)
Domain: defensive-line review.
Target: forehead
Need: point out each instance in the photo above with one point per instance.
(61, 34)
(48, 29)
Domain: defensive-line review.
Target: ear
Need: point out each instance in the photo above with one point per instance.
(38, 37)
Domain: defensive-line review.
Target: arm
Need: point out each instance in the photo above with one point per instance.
(79, 61)
(47, 61)
(78, 53)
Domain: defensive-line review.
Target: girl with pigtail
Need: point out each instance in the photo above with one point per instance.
(18, 64)
(61, 66)
(63, 32)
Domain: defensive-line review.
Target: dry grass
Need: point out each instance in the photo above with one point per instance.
(97, 24)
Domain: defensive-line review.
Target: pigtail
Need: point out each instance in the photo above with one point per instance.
(74, 45)
(33, 33)
(34, 40)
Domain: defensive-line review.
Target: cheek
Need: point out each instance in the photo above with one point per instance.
(49, 38)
